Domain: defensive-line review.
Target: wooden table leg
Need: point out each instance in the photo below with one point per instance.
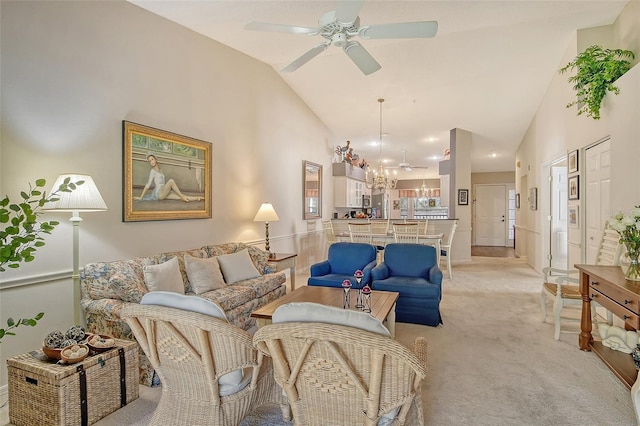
(585, 338)
(292, 272)
(391, 322)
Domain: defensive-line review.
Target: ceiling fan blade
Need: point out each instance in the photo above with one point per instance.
(361, 58)
(309, 55)
(347, 11)
(421, 29)
(264, 26)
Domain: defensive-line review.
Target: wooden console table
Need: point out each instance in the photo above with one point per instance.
(607, 286)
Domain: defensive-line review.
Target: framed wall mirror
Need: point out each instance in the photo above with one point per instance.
(312, 190)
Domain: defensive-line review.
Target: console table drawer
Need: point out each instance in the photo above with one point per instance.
(630, 318)
(626, 299)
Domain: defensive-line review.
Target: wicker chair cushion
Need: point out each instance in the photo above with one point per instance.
(237, 267)
(315, 312)
(164, 276)
(568, 291)
(204, 274)
(230, 383)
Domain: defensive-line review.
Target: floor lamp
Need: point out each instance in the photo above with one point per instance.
(266, 214)
(84, 198)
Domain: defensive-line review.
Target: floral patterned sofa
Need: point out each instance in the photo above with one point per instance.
(108, 286)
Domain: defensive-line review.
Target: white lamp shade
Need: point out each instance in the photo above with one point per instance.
(85, 198)
(266, 214)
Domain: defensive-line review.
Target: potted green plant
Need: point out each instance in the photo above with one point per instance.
(23, 231)
(596, 71)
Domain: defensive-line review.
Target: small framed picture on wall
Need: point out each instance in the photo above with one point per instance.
(463, 197)
(533, 198)
(573, 217)
(573, 161)
(574, 187)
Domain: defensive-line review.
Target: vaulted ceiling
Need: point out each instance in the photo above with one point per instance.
(485, 71)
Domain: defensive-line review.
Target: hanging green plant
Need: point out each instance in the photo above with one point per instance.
(597, 70)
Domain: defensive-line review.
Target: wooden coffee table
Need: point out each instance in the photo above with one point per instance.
(383, 303)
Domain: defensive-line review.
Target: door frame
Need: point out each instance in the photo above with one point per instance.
(545, 207)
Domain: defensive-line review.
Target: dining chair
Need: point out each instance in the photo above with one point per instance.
(406, 232)
(329, 235)
(380, 232)
(445, 247)
(360, 232)
(563, 285)
(423, 229)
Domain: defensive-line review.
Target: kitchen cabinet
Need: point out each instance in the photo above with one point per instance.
(348, 192)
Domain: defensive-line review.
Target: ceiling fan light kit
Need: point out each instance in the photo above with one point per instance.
(339, 26)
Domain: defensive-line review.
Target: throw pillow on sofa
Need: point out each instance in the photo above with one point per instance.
(204, 274)
(230, 383)
(237, 267)
(164, 276)
(127, 285)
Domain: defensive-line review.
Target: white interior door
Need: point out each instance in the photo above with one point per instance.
(491, 211)
(558, 226)
(597, 195)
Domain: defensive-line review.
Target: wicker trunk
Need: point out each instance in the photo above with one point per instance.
(45, 393)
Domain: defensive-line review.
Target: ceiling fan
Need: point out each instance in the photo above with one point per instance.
(407, 167)
(340, 26)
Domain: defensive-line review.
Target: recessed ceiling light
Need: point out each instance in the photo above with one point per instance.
(493, 155)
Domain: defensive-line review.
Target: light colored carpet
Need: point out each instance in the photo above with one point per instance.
(493, 362)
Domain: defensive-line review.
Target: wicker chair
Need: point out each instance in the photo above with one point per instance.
(340, 375)
(562, 286)
(190, 351)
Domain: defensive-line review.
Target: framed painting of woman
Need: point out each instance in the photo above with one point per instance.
(166, 175)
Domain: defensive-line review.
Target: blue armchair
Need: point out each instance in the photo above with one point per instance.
(412, 271)
(343, 260)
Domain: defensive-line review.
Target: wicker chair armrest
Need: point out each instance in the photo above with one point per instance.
(549, 271)
(567, 280)
(420, 350)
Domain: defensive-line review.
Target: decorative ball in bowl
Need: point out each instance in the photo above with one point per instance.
(53, 353)
(100, 342)
(74, 353)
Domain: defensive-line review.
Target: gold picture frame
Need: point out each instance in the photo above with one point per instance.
(166, 176)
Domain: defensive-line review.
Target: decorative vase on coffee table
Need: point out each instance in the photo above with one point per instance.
(358, 276)
(346, 299)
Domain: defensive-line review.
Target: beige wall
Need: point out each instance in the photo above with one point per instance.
(72, 71)
(493, 177)
(556, 130)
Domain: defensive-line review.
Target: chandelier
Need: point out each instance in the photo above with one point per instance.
(380, 178)
(423, 191)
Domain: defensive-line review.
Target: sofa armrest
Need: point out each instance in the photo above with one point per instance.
(435, 275)
(379, 272)
(319, 269)
(103, 316)
(366, 277)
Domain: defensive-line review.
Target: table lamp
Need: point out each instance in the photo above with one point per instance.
(85, 198)
(266, 214)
